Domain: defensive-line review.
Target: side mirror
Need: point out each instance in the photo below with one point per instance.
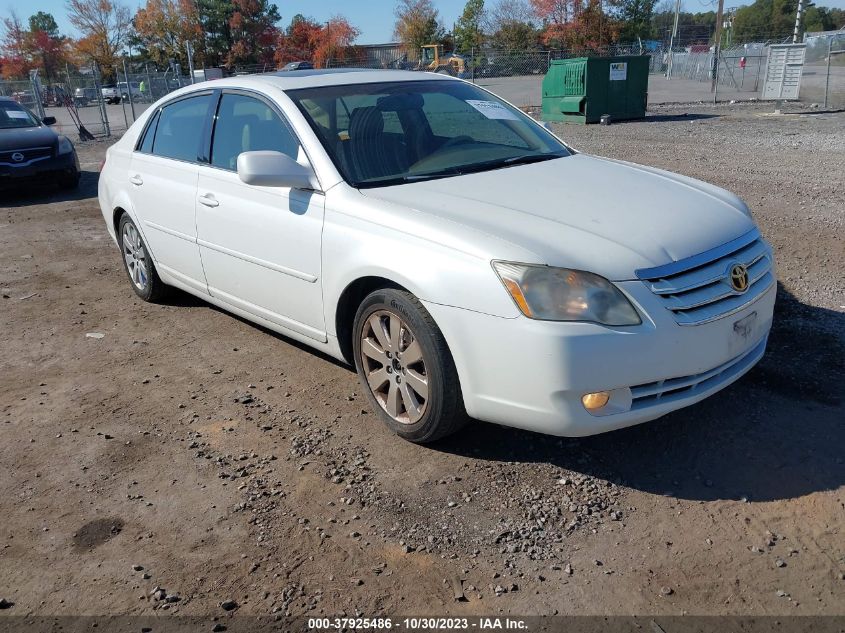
(49, 120)
(274, 169)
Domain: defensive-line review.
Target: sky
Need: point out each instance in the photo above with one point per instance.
(374, 18)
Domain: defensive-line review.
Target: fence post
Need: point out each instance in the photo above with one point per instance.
(472, 64)
(122, 102)
(827, 78)
(129, 90)
(35, 83)
(101, 103)
(149, 82)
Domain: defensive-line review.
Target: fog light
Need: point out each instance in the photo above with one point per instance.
(593, 401)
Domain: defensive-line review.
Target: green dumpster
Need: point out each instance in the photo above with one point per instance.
(582, 89)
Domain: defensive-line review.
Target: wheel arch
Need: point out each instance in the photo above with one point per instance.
(347, 305)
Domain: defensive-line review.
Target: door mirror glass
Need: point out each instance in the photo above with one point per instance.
(268, 168)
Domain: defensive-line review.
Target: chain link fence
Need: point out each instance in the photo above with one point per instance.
(823, 80)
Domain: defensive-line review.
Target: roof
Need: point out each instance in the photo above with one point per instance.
(293, 79)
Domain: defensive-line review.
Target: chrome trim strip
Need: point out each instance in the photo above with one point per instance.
(722, 315)
(681, 265)
(26, 163)
(677, 306)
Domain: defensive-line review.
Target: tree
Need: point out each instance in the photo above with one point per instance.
(510, 25)
(306, 39)
(39, 47)
(237, 31)
(104, 25)
(764, 20)
(162, 27)
(417, 24)
(253, 31)
(591, 29)
(45, 23)
(14, 60)
(636, 18)
(556, 12)
(469, 33)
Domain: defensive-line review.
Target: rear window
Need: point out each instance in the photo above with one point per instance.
(180, 127)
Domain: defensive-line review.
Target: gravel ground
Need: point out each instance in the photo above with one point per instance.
(188, 462)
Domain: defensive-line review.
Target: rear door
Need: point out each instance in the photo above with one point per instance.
(260, 246)
(163, 178)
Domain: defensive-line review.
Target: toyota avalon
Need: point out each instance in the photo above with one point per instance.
(464, 259)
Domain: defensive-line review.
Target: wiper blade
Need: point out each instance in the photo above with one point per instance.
(530, 158)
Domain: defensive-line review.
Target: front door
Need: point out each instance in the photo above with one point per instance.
(260, 246)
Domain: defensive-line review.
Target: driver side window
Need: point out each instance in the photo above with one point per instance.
(245, 124)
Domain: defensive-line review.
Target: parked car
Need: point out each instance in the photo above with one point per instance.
(297, 66)
(132, 87)
(25, 98)
(457, 253)
(110, 94)
(31, 153)
(83, 96)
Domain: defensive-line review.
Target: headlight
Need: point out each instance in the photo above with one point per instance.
(65, 146)
(560, 294)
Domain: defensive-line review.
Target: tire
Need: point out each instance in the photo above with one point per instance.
(415, 391)
(137, 262)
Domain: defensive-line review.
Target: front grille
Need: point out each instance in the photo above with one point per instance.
(29, 154)
(698, 290)
(671, 389)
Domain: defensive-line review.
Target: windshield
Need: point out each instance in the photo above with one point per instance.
(14, 115)
(391, 133)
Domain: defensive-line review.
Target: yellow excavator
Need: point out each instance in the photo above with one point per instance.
(433, 60)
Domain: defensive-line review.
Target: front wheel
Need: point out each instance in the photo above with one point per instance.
(405, 367)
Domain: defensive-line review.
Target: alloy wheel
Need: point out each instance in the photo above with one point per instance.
(394, 366)
(135, 257)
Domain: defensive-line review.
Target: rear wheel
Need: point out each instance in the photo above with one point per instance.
(137, 262)
(405, 367)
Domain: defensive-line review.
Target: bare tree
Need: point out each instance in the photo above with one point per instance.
(504, 12)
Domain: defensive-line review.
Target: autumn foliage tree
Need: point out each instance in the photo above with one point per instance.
(308, 40)
(39, 46)
(417, 24)
(569, 24)
(104, 25)
(162, 28)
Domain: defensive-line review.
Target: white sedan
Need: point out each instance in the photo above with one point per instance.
(462, 257)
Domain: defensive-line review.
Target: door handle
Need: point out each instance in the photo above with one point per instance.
(136, 180)
(208, 200)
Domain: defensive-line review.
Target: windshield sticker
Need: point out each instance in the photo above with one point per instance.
(492, 110)
(17, 114)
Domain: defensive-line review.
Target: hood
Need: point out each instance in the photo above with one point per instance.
(584, 212)
(18, 138)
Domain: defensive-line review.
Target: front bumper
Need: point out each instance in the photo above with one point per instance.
(44, 171)
(532, 374)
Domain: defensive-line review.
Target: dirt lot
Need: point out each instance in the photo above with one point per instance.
(233, 464)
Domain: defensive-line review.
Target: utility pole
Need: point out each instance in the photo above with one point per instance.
(671, 59)
(798, 21)
(717, 44)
